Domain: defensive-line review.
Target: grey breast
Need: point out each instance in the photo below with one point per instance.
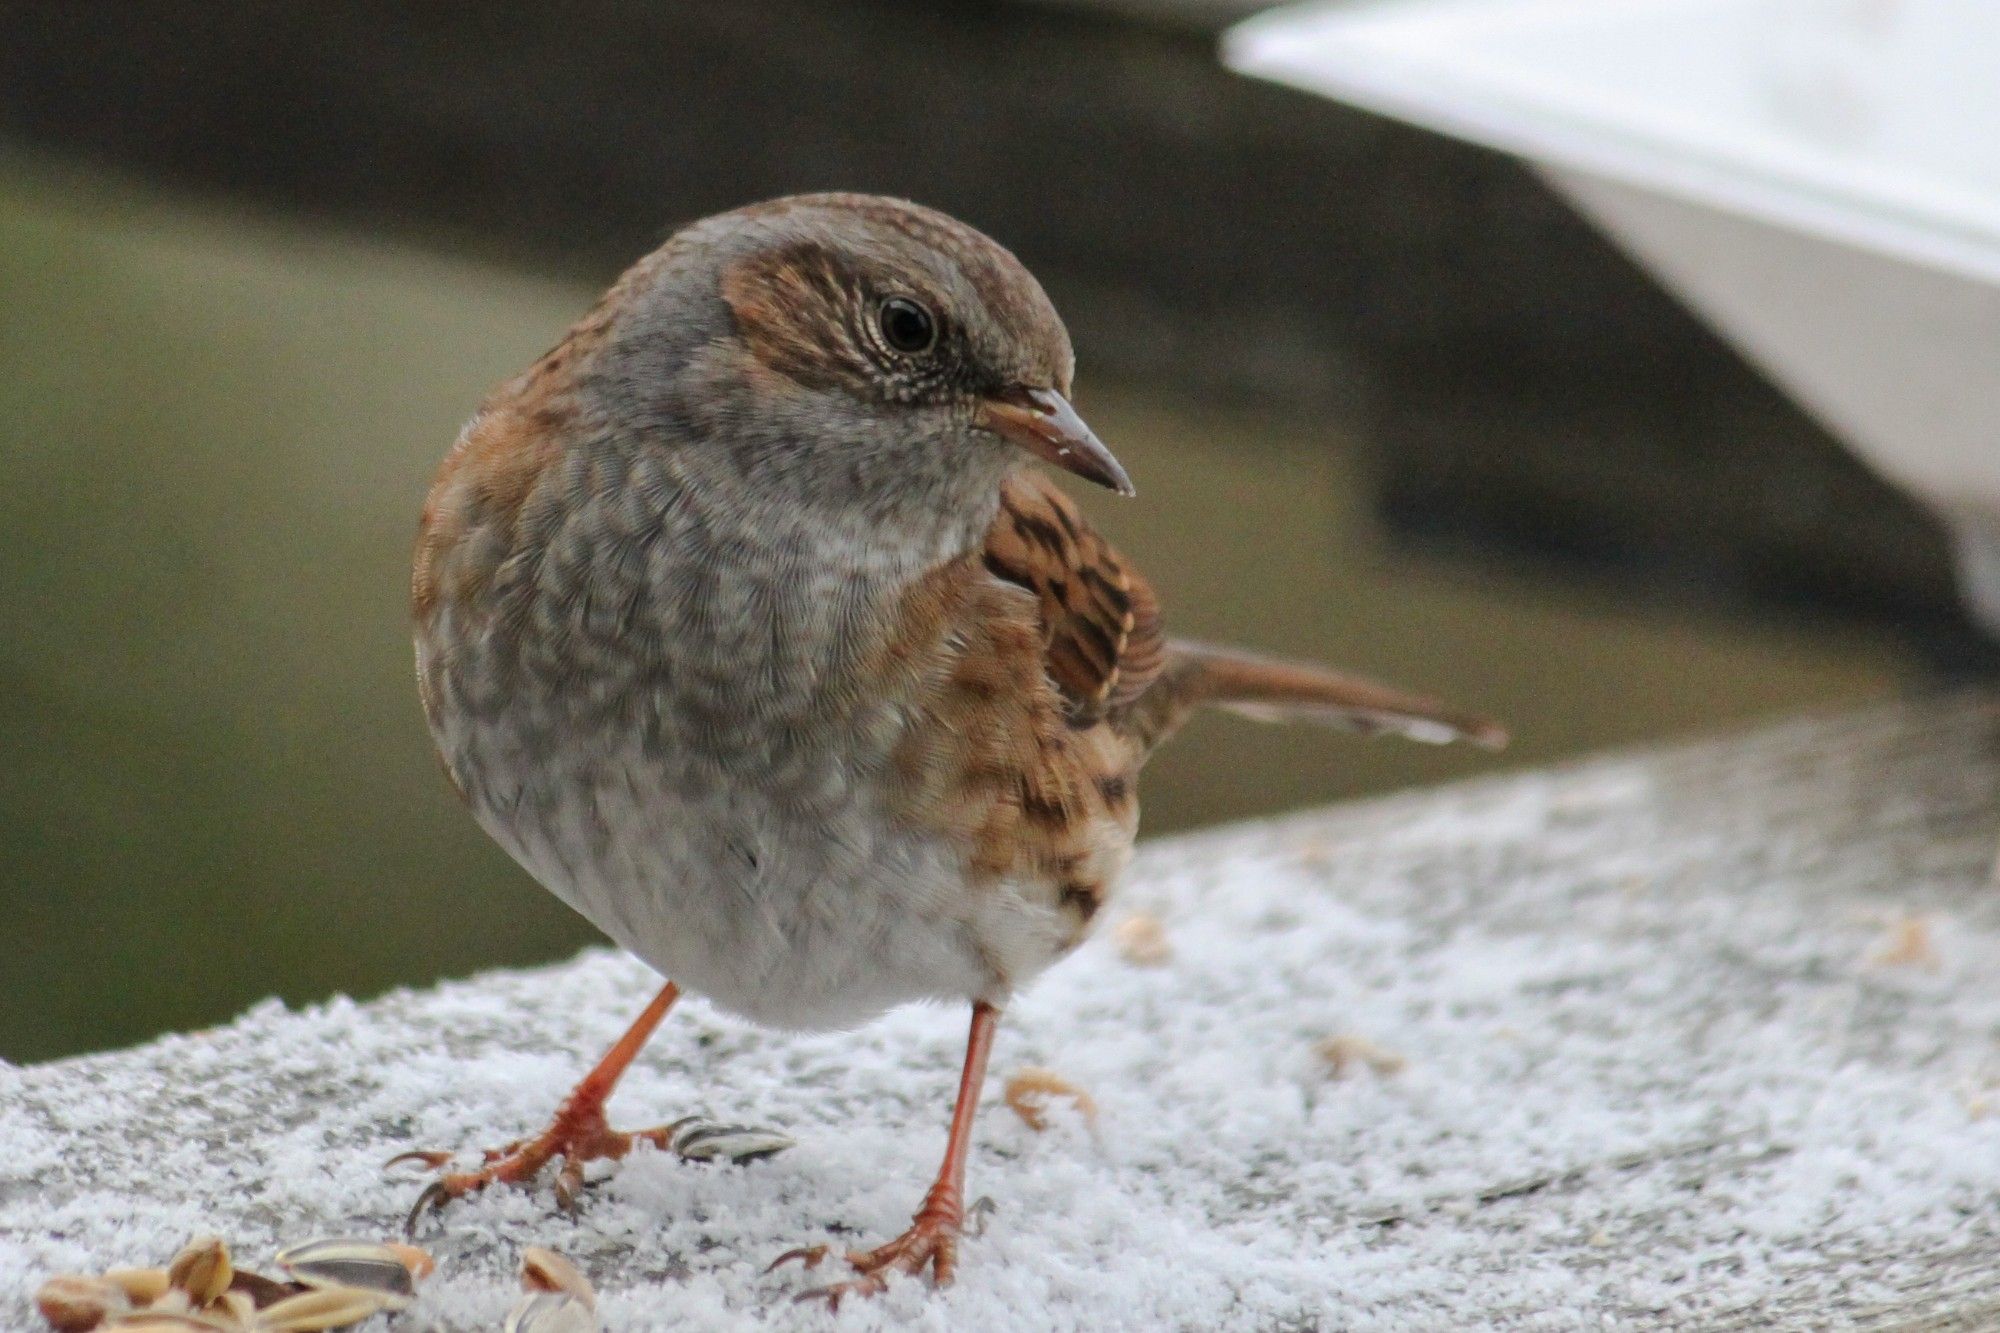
(665, 723)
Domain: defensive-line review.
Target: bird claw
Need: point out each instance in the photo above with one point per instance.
(931, 1242)
(868, 1284)
(807, 1256)
(519, 1163)
(430, 1160)
(435, 1196)
(578, 1142)
(490, 1155)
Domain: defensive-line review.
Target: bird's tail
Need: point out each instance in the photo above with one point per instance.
(1271, 690)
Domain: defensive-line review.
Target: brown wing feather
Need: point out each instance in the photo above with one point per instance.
(1101, 623)
(1270, 689)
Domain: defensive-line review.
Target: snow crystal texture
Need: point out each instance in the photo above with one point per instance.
(1707, 1037)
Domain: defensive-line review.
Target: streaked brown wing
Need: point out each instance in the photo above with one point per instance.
(1100, 621)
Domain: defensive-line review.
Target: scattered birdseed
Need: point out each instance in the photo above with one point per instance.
(1314, 853)
(545, 1270)
(322, 1308)
(702, 1140)
(1345, 1053)
(550, 1312)
(142, 1286)
(1907, 943)
(1029, 1090)
(202, 1270)
(557, 1297)
(332, 1284)
(1142, 941)
(390, 1270)
(74, 1304)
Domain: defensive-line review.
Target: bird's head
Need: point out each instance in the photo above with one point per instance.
(851, 344)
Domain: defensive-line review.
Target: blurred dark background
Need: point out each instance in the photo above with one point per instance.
(1388, 402)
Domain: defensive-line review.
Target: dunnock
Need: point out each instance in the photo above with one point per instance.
(744, 626)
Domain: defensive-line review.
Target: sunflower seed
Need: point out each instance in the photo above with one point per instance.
(324, 1308)
(202, 1269)
(339, 1262)
(142, 1286)
(235, 1308)
(550, 1312)
(546, 1271)
(259, 1290)
(74, 1304)
(701, 1140)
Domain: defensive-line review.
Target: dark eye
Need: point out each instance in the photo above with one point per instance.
(907, 326)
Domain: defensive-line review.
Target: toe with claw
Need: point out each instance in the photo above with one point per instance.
(577, 1140)
(580, 1134)
(930, 1243)
(932, 1240)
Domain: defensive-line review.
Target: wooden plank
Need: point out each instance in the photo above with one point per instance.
(1704, 1037)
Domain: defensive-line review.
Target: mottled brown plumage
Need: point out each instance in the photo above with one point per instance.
(744, 626)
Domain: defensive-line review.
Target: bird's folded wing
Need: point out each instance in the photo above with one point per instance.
(1101, 623)
(1108, 655)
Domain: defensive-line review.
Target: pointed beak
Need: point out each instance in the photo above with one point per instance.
(1042, 422)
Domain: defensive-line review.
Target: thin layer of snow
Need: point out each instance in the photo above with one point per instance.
(1657, 1075)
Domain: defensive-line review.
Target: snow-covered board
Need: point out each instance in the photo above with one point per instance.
(1698, 1037)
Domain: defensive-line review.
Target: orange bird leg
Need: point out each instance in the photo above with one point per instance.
(578, 1135)
(932, 1240)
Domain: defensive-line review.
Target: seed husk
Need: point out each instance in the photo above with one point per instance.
(1142, 941)
(419, 1262)
(259, 1290)
(550, 1312)
(702, 1140)
(1345, 1052)
(340, 1262)
(323, 1308)
(73, 1303)
(202, 1269)
(544, 1270)
(1029, 1090)
(142, 1286)
(335, 1283)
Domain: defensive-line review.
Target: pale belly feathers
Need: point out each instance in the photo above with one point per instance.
(746, 852)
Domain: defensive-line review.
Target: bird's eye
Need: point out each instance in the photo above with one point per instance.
(907, 326)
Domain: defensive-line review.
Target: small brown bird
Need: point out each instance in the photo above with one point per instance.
(743, 624)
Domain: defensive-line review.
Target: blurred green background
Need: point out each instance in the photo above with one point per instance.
(215, 431)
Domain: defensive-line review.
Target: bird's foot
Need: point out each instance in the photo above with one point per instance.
(580, 1135)
(930, 1243)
